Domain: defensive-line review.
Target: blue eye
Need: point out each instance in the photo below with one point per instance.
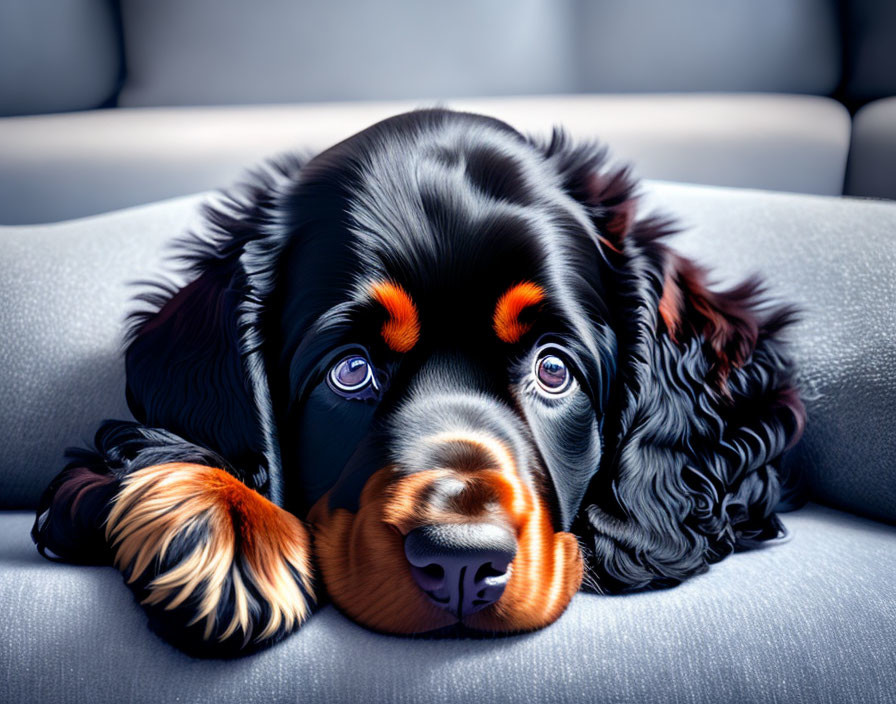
(351, 375)
(552, 373)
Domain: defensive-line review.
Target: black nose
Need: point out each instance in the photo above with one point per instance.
(462, 568)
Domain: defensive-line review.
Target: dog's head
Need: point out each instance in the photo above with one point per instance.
(457, 355)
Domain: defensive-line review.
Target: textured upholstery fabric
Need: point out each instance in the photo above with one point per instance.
(812, 620)
(57, 55)
(62, 166)
(63, 296)
(872, 153)
(207, 52)
(836, 260)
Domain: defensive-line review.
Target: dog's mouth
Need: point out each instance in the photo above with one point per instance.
(486, 561)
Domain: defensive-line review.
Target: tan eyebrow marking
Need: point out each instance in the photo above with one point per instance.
(516, 299)
(402, 330)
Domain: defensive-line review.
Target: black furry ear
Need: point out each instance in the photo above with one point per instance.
(703, 405)
(688, 309)
(194, 363)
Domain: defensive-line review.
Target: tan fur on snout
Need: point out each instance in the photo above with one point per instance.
(363, 564)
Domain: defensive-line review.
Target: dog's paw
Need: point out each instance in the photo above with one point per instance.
(68, 526)
(219, 568)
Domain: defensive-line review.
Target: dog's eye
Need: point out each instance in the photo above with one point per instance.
(351, 374)
(552, 373)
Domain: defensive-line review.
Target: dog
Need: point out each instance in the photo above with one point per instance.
(442, 375)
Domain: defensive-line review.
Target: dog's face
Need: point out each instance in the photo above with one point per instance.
(460, 357)
(447, 356)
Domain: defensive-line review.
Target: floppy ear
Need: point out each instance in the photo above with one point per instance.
(195, 364)
(704, 400)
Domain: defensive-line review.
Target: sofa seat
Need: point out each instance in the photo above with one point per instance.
(56, 167)
(811, 620)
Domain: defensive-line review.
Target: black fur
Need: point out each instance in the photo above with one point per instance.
(664, 462)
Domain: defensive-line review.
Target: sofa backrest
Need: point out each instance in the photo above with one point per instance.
(201, 52)
(71, 55)
(196, 52)
(786, 46)
(57, 56)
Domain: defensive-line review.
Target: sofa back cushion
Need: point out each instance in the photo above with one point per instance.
(201, 52)
(790, 46)
(57, 56)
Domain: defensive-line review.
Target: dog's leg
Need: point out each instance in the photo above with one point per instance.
(218, 567)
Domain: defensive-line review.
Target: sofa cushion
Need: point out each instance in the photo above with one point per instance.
(57, 55)
(872, 153)
(189, 52)
(789, 46)
(215, 52)
(56, 167)
(811, 620)
(64, 293)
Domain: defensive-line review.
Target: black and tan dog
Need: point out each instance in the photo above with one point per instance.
(442, 375)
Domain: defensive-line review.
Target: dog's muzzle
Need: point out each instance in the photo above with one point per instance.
(456, 530)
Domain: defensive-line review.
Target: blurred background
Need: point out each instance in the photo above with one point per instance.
(113, 103)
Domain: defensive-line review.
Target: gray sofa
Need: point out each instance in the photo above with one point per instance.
(811, 620)
(118, 103)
